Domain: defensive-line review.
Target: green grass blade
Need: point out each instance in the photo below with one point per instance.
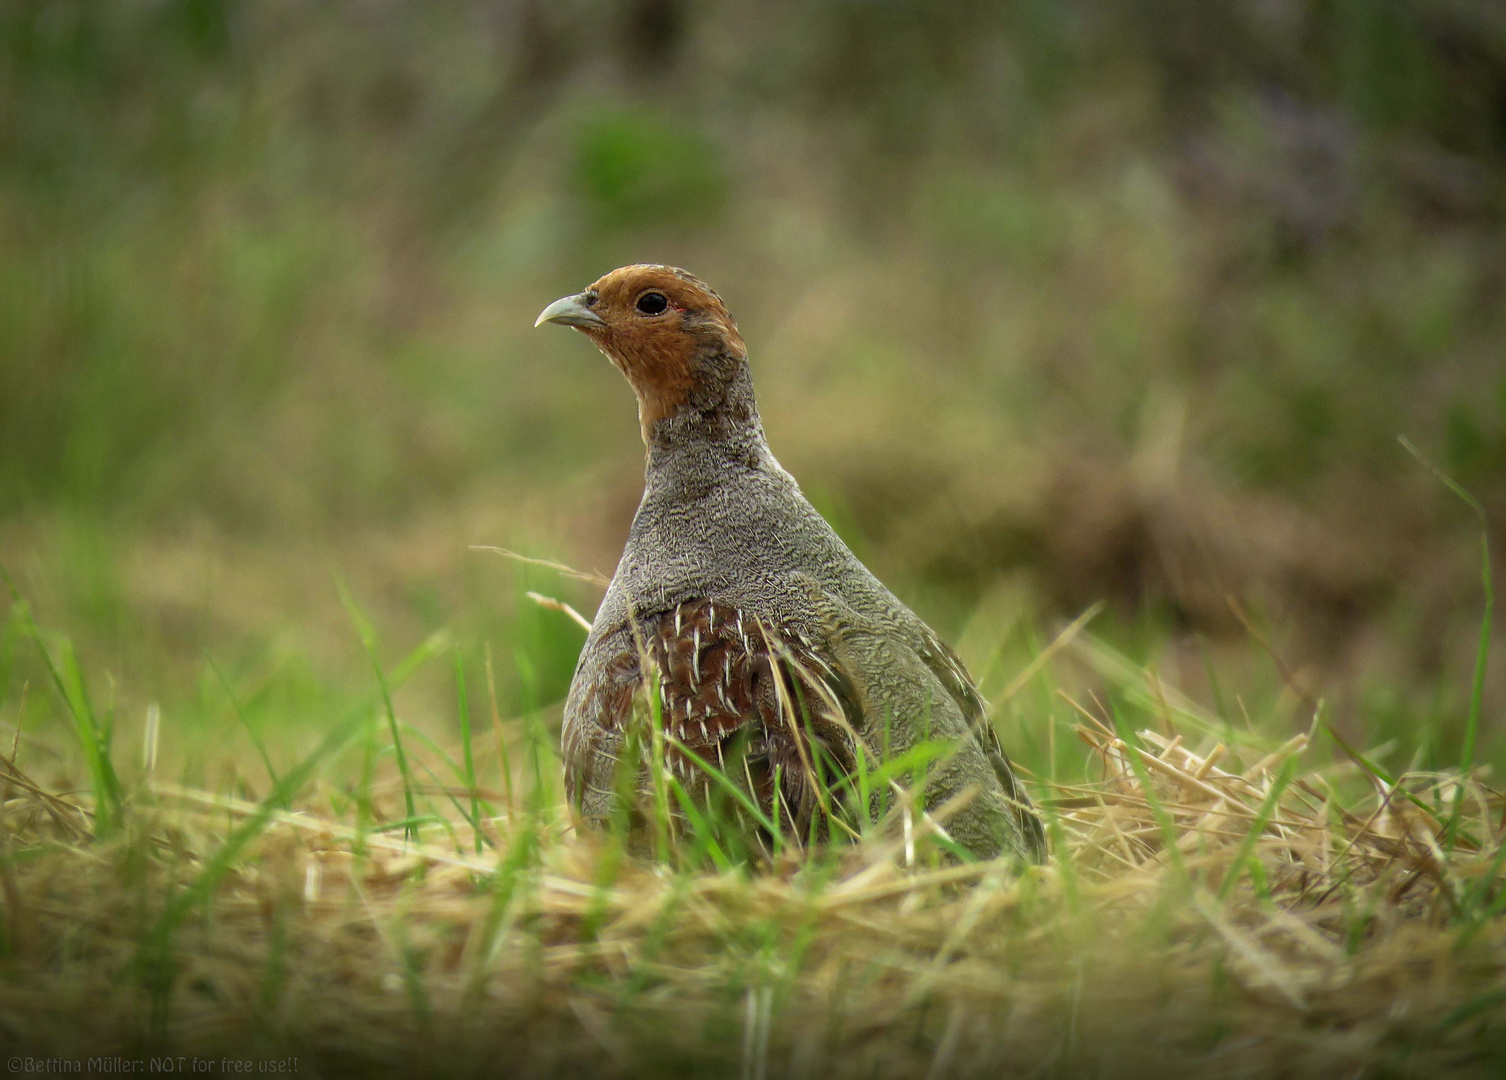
(1164, 819)
(1379, 772)
(368, 641)
(701, 829)
(1482, 652)
(663, 827)
(774, 808)
(464, 706)
(68, 680)
(408, 823)
(919, 757)
(1482, 656)
(261, 747)
(1471, 903)
(472, 814)
(1257, 827)
(741, 797)
(504, 763)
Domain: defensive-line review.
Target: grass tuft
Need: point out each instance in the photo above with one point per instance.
(1243, 899)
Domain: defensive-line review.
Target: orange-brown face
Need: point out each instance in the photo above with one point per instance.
(657, 324)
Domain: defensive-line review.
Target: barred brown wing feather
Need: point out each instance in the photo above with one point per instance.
(741, 696)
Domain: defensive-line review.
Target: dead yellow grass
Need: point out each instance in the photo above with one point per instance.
(1280, 933)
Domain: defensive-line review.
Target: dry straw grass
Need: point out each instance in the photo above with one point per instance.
(1209, 910)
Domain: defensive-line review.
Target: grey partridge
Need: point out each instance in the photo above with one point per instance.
(743, 611)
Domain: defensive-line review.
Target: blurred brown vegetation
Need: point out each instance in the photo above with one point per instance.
(1047, 302)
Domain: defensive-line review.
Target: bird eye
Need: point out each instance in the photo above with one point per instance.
(653, 303)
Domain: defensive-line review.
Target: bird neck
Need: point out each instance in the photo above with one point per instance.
(717, 427)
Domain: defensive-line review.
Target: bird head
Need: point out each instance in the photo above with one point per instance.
(665, 330)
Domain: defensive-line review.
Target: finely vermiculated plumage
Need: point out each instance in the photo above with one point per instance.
(737, 592)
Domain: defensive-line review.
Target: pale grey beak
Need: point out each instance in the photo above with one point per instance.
(570, 311)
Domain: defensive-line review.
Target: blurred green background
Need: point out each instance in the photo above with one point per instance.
(1047, 302)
